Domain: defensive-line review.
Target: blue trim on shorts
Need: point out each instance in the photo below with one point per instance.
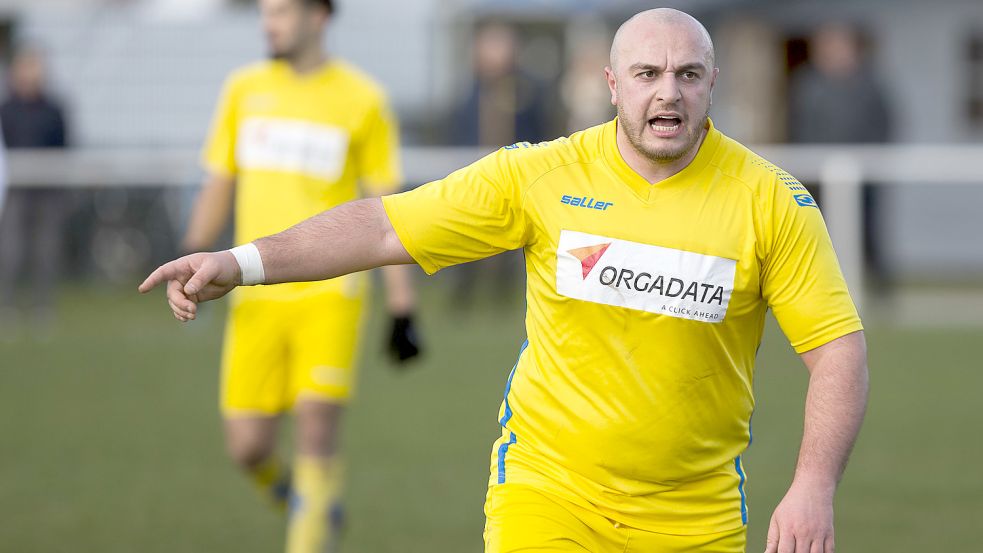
(740, 488)
(508, 386)
(502, 450)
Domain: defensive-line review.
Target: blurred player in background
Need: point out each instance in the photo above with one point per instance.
(291, 137)
(654, 248)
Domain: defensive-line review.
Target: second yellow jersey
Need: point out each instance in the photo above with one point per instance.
(645, 307)
(298, 144)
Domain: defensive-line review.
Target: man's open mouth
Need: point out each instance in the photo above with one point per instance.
(665, 123)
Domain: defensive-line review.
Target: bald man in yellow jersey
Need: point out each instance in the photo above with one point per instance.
(654, 246)
(292, 137)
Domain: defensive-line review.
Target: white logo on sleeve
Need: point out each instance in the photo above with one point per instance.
(640, 276)
(293, 146)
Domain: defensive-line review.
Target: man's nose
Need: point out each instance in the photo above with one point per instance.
(667, 90)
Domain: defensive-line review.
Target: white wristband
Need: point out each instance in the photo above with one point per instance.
(250, 264)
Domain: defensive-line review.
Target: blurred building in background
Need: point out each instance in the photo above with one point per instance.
(142, 71)
(142, 74)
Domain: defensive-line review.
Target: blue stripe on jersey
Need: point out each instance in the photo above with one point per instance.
(502, 450)
(740, 488)
(508, 386)
(739, 467)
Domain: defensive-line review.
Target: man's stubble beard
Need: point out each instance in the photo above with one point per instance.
(287, 54)
(659, 155)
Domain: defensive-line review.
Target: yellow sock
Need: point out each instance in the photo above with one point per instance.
(272, 479)
(316, 496)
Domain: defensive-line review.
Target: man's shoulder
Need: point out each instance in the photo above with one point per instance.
(249, 75)
(344, 77)
(532, 160)
(353, 76)
(760, 176)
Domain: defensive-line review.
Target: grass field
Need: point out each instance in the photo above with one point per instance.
(111, 439)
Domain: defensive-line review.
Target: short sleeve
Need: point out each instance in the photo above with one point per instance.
(219, 153)
(471, 214)
(377, 151)
(801, 278)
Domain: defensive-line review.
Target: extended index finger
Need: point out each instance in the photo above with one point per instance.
(165, 272)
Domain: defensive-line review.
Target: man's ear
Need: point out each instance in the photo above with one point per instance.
(612, 84)
(713, 81)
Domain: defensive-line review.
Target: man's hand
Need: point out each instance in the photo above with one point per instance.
(195, 278)
(803, 521)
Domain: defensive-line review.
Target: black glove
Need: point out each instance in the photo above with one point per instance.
(404, 342)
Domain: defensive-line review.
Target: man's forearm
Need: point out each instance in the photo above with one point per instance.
(352, 237)
(835, 406)
(210, 213)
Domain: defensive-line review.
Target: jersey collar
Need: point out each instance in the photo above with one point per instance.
(324, 71)
(636, 182)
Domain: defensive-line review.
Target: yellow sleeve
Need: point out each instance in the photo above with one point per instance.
(471, 214)
(377, 151)
(219, 153)
(801, 278)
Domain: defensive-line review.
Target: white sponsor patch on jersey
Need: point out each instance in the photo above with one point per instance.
(292, 146)
(649, 278)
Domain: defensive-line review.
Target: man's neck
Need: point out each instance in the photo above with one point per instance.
(651, 170)
(26, 95)
(308, 60)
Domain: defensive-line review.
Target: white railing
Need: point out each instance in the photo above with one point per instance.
(839, 170)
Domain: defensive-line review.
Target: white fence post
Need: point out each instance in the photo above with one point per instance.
(841, 179)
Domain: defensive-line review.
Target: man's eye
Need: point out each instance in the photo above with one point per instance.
(689, 75)
(647, 74)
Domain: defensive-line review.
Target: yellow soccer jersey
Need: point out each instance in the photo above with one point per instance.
(645, 307)
(298, 145)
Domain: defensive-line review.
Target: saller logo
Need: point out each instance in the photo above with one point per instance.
(584, 202)
(644, 277)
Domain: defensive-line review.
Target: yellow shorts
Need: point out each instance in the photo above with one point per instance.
(278, 351)
(518, 517)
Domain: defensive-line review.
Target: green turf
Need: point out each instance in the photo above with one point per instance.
(111, 441)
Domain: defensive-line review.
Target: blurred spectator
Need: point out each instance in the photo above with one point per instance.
(3, 173)
(31, 224)
(837, 98)
(504, 105)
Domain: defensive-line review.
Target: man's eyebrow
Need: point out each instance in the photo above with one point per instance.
(639, 66)
(691, 66)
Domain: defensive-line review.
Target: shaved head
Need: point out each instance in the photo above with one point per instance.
(652, 21)
(661, 78)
